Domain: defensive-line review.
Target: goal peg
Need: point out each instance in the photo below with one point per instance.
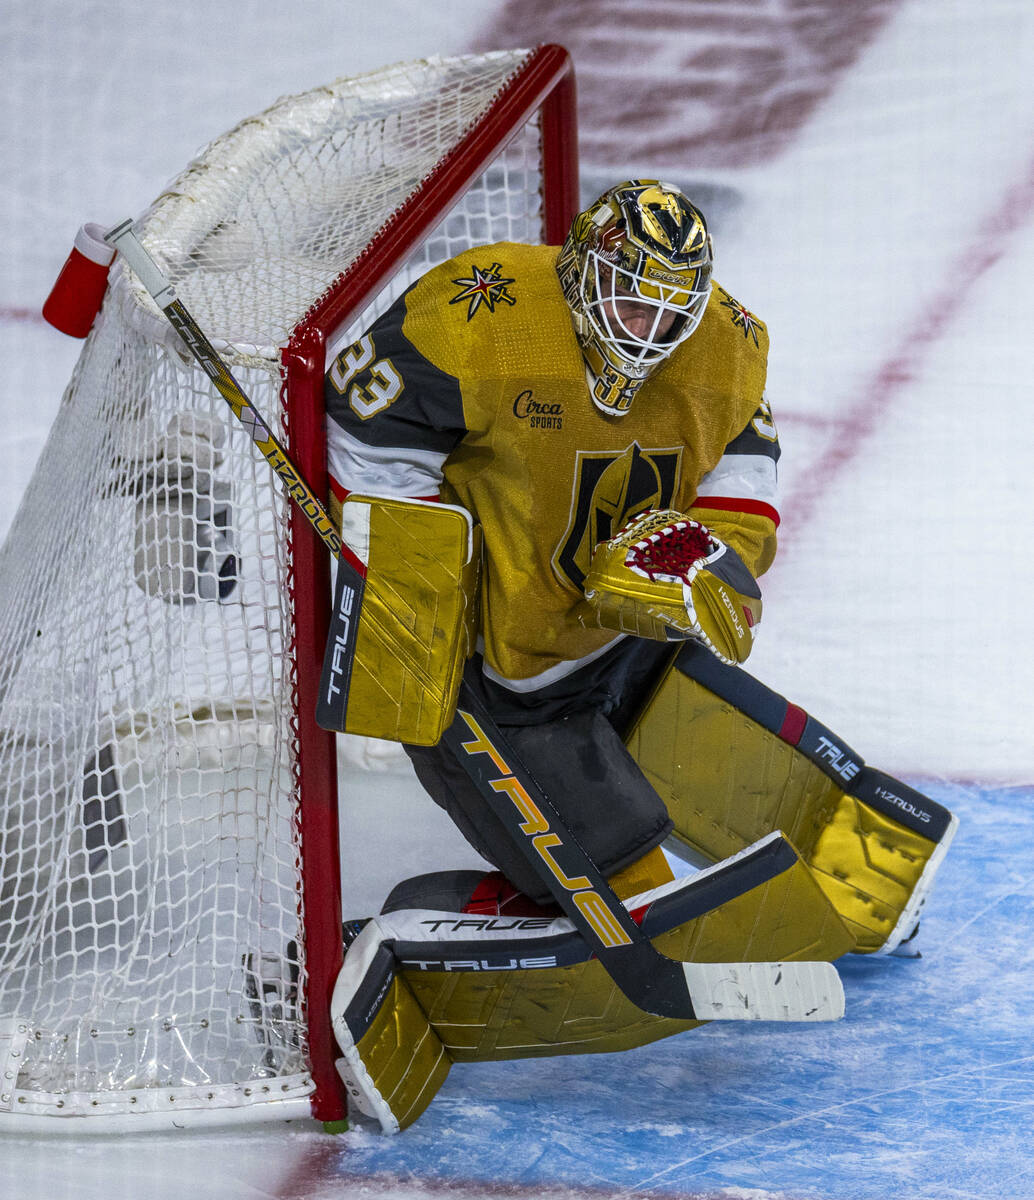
(78, 292)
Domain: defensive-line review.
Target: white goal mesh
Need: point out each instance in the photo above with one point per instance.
(152, 921)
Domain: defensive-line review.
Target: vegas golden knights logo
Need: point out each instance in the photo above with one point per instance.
(610, 489)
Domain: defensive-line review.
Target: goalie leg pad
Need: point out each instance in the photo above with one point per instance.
(734, 761)
(510, 987)
(392, 1063)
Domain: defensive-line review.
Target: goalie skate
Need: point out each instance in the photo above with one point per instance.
(271, 990)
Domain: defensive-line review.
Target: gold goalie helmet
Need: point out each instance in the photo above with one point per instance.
(636, 271)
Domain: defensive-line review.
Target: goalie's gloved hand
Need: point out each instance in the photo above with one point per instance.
(666, 577)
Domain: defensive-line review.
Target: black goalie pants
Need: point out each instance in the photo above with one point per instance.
(569, 736)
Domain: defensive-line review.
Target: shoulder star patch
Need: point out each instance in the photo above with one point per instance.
(742, 317)
(483, 287)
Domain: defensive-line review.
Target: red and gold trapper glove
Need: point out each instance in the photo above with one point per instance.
(666, 577)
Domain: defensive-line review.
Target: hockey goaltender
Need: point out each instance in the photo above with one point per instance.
(556, 473)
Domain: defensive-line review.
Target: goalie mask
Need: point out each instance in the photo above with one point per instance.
(636, 271)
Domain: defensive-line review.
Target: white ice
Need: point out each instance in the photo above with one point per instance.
(891, 251)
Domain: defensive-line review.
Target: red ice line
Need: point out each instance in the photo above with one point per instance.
(749, 75)
(876, 398)
(31, 316)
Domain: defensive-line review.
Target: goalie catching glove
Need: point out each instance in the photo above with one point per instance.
(667, 577)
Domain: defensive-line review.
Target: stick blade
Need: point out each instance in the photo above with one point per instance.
(768, 991)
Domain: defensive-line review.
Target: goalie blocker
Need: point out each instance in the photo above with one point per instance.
(404, 618)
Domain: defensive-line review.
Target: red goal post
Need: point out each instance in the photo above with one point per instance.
(544, 87)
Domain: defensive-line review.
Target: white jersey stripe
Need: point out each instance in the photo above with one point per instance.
(742, 476)
(383, 470)
(543, 679)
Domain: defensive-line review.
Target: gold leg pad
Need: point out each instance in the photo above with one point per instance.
(484, 1015)
(392, 1062)
(869, 866)
(726, 780)
(647, 872)
(404, 1055)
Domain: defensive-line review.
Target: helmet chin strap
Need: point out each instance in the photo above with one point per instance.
(581, 323)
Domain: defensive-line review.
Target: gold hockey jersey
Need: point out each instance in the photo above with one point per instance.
(472, 386)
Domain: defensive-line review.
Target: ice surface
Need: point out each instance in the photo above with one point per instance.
(890, 247)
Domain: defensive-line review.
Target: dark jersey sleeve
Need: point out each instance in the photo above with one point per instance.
(393, 416)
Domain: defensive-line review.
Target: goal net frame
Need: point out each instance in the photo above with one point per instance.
(170, 483)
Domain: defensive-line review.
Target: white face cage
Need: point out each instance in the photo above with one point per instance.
(616, 299)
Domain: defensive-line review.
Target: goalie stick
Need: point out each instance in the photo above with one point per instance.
(790, 991)
(161, 291)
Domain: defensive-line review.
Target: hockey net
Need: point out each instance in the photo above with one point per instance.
(169, 908)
